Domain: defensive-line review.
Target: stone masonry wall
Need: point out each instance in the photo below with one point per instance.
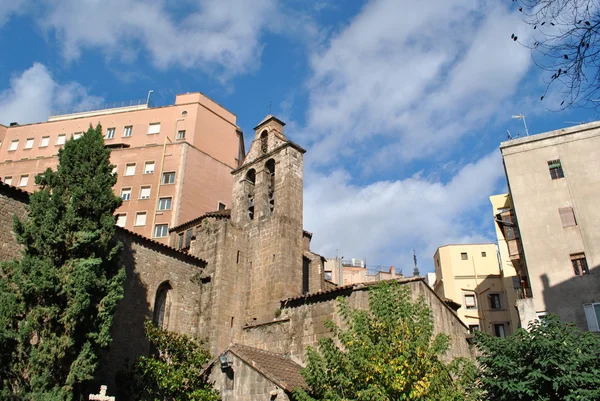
(12, 202)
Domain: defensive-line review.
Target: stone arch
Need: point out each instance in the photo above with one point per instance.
(264, 141)
(270, 169)
(251, 179)
(162, 305)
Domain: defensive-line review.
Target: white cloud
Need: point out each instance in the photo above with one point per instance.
(34, 94)
(385, 220)
(7, 8)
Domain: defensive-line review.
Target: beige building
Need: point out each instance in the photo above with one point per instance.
(470, 276)
(173, 162)
(354, 271)
(549, 222)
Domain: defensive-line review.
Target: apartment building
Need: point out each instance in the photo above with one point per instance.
(173, 162)
(471, 276)
(548, 223)
(354, 271)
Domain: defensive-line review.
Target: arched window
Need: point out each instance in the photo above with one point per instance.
(270, 168)
(264, 141)
(162, 305)
(251, 178)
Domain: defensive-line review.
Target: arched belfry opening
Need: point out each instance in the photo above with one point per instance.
(162, 305)
(270, 168)
(264, 141)
(251, 179)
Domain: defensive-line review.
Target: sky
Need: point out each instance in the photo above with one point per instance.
(401, 105)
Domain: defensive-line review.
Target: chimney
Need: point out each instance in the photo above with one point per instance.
(14, 124)
(393, 270)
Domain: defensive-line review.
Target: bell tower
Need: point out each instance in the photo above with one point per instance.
(267, 206)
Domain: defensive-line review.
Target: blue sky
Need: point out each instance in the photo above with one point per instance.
(402, 105)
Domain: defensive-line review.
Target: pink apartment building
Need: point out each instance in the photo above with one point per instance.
(173, 163)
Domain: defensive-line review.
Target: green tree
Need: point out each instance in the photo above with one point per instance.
(388, 352)
(174, 371)
(551, 361)
(57, 302)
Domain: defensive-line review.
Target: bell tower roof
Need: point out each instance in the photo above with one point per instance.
(268, 119)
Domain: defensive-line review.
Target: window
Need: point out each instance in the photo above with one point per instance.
(592, 315)
(140, 219)
(464, 256)
(180, 243)
(162, 306)
(221, 206)
(188, 237)
(470, 302)
(130, 169)
(149, 168)
(127, 131)
(483, 254)
(145, 192)
(126, 194)
(13, 145)
(164, 204)
(160, 230)
(110, 133)
(180, 134)
(168, 178)
(328, 276)
(60, 140)
(8, 180)
(24, 180)
(121, 219)
(556, 170)
(77, 135)
(495, 301)
(45, 141)
(567, 217)
(154, 128)
(473, 328)
(114, 170)
(580, 266)
(29, 143)
(499, 330)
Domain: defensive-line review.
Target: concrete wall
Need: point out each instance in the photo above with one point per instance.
(537, 198)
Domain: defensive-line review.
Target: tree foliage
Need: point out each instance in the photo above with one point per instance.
(57, 301)
(174, 371)
(567, 44)
(550, 361)
(388, 352)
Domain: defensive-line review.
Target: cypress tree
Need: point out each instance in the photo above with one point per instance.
(58, 300)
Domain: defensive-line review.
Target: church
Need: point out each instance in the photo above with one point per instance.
(243, 279)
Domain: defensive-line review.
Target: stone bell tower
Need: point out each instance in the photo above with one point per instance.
(267, 206)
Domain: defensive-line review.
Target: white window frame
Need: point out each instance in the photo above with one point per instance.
(146, 164)
(139, 214)
(127, 131)
(592, 317)
(153, 128)
(14, 145)
(77, 135)
(26, 178)
(180, 134)
(44, 142)
(29, 143)
(168, 199)
(110, 133)
(119, 216)
(126, 167)
(162, 179)
(128, 191)
(142, 189)
(166, 230)
(474, 301)
(8, 180)
(61, 139)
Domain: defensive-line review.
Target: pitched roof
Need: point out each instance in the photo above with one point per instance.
(269, 118)
(219, 214)
(278, 368)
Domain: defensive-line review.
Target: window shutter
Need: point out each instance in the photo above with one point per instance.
(154, 128)
(567, 216)
(130, 169)
(145, 193)
(590, 316)
(121, 220)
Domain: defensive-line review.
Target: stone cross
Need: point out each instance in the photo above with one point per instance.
(102, 396)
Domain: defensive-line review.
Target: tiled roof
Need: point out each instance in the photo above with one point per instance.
(279, 369)
(219, 214)
(18, 192)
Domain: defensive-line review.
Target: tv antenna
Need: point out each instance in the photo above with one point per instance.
(520, 116)
(508, 135)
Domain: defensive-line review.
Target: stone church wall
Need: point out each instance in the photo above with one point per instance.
(12, 202)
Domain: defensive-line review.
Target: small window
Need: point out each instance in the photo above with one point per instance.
(567, 217)
(470, 302)
(188, 237)
(24, 180)
(180, 241)
(114, 170)
(130, 169)
(8, 180)
(13, 145)
(473, 328)
(327, 276)
(149, 168)
(464, 256)
(181, 134)
(127, 131)
(495, 301)
(164, 203)
(592, 315)
(61, 139)
(110, 133)
(161, 230)
(168, 178)
(499, 330)
(555, 168)
(77, 135)
(140, 219)
(483, 254)
(579, 262)
(29, 143)
(154, 128)
(221, 206)
(45, 141)
(126, 194)
(145, 192)
(121, 219)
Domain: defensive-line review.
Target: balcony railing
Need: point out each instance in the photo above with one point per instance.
(100, 106)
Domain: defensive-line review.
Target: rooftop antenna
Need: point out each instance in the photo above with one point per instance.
(508, 135)
(148, 98)
(416, 270)
(520, 116)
